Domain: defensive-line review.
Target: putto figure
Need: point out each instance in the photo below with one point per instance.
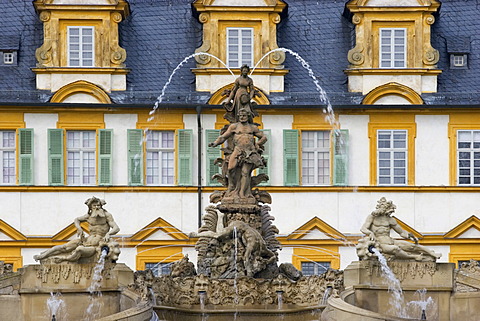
(101, 228)
(377, 229)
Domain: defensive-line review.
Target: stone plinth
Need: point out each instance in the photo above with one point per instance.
(72, 281)
(371, 289)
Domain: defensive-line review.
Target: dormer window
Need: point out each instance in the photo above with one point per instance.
(239, 47)
(8, 58)
(80, 46)
(393, 47)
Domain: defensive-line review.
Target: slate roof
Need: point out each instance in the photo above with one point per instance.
(159, 34)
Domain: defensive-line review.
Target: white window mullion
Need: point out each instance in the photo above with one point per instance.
(468, 157)
(239, 47)
(392, 157)
(160, 156)
(315, 154)
(81, 46)
(393, 48)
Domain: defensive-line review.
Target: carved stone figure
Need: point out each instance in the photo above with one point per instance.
(101, 228)
(240, 96)
(183, 268)
(377, 229)
(245, 156)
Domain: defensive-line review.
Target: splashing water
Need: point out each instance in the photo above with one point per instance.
(160, 98)
(235, 236)
(93, 310)
(202, 296)
(56, 306)
(419, 308)
(397, 300)
(330, 115)
(280, 300)
(326, 295)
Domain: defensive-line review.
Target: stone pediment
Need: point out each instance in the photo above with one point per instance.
(70, 232)
(9, 233)
(317, 229)
(159, 229)
(470, 228)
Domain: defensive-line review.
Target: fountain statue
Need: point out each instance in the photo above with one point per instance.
(377, 228)
(101, 227)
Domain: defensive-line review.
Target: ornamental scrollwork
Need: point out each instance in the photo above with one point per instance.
(430, 56)
(356, 56)
(356, 19)
(116, 17)
(429, 20)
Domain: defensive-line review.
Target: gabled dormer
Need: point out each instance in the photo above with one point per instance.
(392, 45)
(239, 32)
(81, 43)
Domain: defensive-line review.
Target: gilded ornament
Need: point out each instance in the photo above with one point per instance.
(356, 19)
(118, 55)
(429, 20)
(116, 17)
(275, 18)
(203, 17)
(45, 16)
(277, 57)
(431, 56)
(355, 56)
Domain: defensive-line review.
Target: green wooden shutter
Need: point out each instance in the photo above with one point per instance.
(212, 154)
(135, 156)
(55, 157)
(290, 157)
(105, 141)
(340, 158)
(25, 160)
(266, 155)
(184, 154)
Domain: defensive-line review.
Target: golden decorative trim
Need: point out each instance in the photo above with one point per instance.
(159, 224)
(11, 232)
(464, 121)
(81, 87)
(461, 228)
(392, 122)
(318, 253)
(75, 70)
(218, 97)
(316, 224)
(393, 88)
(393, 71)
(236, 71)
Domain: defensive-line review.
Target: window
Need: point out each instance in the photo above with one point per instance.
(81, 157)
(80, 46)
(239, 47)
(458, 61)
(392, 157)
(160, 157)
(393, 47)
(87, 153)
(158, 268)
(314, 268)
(8, 58)
(315, 157)
(468, 155)
(7, 154)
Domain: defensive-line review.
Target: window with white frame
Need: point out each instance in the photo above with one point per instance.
(239, 47)
(81, 157)
(160, 148)
(392, 158)
(316, 157)
(81, 46)
(158, 268)
(7, 154)
(468, 155)
(8, 58)
(314, 268)
(393, 47)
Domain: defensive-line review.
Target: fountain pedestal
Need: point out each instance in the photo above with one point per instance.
(370, 290)
(72, 281)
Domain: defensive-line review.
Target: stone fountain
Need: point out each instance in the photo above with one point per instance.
(238, 275)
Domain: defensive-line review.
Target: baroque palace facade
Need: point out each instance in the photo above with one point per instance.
(79, 80)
